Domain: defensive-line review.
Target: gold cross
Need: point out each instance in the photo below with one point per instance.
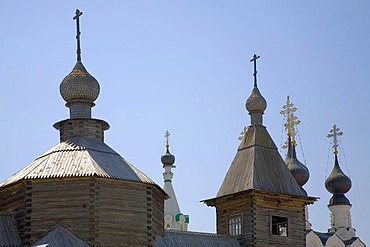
(167, 134)
(291, 120)
(335, 132)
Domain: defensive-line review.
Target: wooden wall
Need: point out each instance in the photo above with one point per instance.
(63, 201)
(13, 201)
(257, 210)
(127, 213)
(103, 212)
(265, 207)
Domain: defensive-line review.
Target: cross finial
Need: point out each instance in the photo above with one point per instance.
(167, 134)
(291, 119)
(77, 18)
(335, 132)
(254, 60)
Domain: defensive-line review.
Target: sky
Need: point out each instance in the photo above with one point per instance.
(183, 66)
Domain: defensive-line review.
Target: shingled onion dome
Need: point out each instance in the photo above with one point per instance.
(256, 105)
(299, 171)
(79, 89)
(338, 184)
(167, 159)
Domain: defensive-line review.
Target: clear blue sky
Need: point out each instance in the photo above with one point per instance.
(184, 66)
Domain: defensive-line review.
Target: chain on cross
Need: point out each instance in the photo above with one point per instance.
(335, 133)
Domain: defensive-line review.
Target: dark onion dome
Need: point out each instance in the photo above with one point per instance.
(299, 171)
(338, 182)
(167, 159)
(79, 85)
(256, 102)
(339, 199)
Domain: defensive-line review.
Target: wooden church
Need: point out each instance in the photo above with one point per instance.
(83, 193)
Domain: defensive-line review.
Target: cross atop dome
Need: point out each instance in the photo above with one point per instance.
(167, 135)
(335, 133)
(79, 88)
(291, 119)
(256, 104)
(254, 60)
(77, 18)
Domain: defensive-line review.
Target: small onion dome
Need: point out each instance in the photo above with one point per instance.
(297, 169)
(168, 159)
(79, 85)
(337, 182)
(339, 199)
(256, 102)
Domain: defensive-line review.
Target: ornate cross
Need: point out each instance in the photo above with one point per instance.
(77, 18)
(335, 132)
(291, 120)
(254, 60)
(167, 134)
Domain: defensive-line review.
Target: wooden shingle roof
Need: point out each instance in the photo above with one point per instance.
(60, 237)
(195, 239)
(8, 234)
(258, 165)
(79, 157)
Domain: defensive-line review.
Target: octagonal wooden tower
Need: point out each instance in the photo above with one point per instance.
(82, 184)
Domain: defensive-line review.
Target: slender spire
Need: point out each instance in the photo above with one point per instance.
(173, 218)
(77, 18)
(254, 60)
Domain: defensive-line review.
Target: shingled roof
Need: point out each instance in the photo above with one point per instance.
(60, 237)
(258, 165)
(79, 157)
(194, 239)
(8, 234)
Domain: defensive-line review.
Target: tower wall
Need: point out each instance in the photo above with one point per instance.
(13, 202)
(103, 212)
(257, 212)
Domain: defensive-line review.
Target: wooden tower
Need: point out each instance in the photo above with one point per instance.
(81, 183)
(259, 201)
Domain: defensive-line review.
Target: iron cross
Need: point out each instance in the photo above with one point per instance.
(77, 18)
(254, 60)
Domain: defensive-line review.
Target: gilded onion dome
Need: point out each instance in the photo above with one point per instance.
(299, 170)
(79, 85)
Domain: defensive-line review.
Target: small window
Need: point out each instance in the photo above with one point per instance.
(279, 226)
(235, 225)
